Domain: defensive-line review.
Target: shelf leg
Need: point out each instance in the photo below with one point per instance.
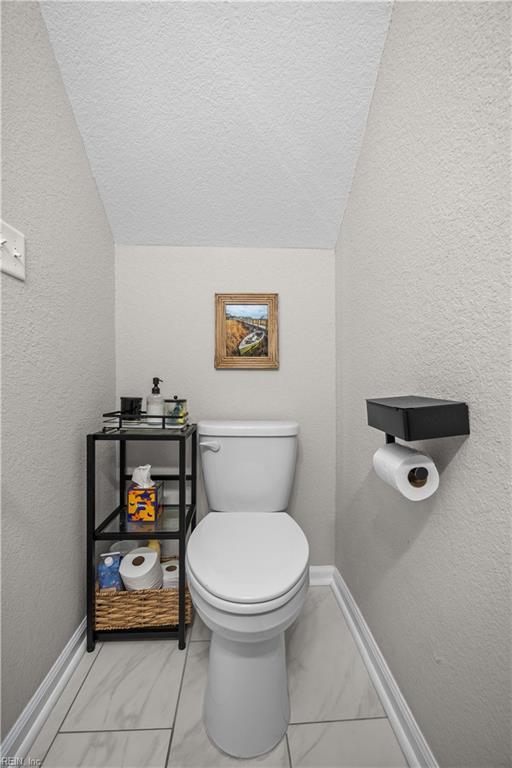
(91, 554)
(122, 472)
(182, 541)
(193, 489)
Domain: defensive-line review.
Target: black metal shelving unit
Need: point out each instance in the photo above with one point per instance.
(114, 526)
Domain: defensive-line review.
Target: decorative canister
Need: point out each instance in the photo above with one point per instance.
(176, 412)
(175, 408)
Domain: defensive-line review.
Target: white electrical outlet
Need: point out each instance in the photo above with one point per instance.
(12, 251)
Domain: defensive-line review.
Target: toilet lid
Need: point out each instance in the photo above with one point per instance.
(248, 557)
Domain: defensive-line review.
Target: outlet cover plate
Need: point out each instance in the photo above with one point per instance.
(12, 251)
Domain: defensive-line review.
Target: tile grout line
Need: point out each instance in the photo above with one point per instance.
(116, 730)
(288, 749)
(69, 708)
(168, 754)
(341, 720)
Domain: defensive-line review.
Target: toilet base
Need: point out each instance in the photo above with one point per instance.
(246, 705)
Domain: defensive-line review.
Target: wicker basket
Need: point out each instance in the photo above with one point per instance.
(140, 608)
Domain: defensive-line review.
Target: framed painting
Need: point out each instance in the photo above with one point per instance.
(246, 330)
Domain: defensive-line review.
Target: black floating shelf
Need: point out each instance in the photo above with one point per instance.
(418, 418)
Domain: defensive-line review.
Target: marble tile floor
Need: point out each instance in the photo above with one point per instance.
(138, 705)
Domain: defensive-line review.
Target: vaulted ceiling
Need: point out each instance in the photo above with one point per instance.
(221, 123)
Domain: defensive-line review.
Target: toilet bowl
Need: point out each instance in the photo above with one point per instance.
(248, 575)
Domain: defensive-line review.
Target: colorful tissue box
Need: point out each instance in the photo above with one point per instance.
(144, 504)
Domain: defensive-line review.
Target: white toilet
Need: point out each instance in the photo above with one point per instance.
(247, 570)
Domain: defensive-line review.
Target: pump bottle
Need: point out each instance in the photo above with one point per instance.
(155, 401)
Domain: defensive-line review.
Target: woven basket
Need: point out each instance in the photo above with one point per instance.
(140, 608)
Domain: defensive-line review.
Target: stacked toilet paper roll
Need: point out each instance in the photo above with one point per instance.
(410, 472)
(140, 569)
(170, 574)
(124, 547)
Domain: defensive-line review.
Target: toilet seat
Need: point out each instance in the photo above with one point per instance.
(246, 609)
(247, 562)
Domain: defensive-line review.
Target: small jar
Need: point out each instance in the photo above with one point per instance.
(176, 411)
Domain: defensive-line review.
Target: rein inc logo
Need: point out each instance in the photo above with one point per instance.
(19, 762)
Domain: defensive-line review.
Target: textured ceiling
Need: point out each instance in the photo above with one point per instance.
(221, 123)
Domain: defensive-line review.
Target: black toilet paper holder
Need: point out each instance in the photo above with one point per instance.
(418, 418)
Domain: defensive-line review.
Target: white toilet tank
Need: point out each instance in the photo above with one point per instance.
(248, 466)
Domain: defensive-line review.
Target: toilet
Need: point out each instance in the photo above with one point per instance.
(248, 575)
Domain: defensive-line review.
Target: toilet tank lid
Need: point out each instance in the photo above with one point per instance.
(268, 428)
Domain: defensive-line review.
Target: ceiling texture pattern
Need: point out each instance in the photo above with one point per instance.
(221, 123)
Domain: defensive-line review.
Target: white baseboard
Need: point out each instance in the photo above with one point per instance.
(412, 742)
(24, 731)
(321, 575)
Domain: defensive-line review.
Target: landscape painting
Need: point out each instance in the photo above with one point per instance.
(246, 331)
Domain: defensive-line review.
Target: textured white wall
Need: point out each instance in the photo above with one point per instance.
(57, 357)
(221, 123)
(423, 298)
(167, 329)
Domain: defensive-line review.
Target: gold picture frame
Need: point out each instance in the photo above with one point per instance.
(246, 331)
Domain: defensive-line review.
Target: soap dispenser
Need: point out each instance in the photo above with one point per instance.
(155, 401)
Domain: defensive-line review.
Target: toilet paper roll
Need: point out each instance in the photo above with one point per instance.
(410, 472)
(124, 547)
(140, 569)
(170, 574)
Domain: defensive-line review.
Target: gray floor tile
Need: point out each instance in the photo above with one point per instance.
(131, 685)
(114, 749)
(191, 747)
(200, 631)
(351, 744)
(47, 733)
(327, 677)
(135, 685)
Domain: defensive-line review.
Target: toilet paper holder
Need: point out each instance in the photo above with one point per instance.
(411, 417)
